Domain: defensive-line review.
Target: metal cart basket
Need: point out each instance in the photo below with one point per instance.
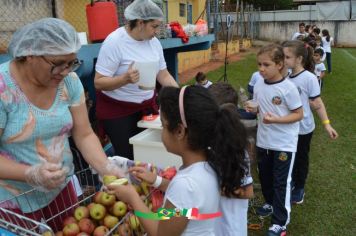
(14, 223)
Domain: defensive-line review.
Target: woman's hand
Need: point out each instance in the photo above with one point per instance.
(46, 175)
(142, 174)
(132, 75)
(126, 193)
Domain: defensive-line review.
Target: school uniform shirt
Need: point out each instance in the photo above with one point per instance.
(308, 87)
(195, 186)
(279, 98)
(117, 53)
(254, 78)
(233, 221)
(297, 34)
(320, 67)
(326, 44)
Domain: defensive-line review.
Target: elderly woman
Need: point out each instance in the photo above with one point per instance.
(120, 101)
(42, 104)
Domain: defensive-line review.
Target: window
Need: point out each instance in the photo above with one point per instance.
(181, 9)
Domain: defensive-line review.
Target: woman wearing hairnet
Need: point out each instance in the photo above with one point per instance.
(41, 104)
(120, 101)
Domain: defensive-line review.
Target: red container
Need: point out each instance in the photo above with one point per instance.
(102, 19)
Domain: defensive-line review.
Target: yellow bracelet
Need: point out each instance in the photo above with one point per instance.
(325, 122)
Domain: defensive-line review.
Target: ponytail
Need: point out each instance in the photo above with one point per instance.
(228, 147)
(217, 131)
(309, 63)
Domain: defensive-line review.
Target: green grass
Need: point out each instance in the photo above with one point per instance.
(330, 202)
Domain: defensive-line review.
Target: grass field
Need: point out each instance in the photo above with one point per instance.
(329, 206)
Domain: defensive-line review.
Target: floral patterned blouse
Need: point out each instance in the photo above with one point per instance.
(31, 135)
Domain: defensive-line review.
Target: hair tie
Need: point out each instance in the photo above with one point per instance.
(181, 106)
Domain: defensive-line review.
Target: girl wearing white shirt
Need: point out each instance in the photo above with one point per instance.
(211, 141)
(328, 41)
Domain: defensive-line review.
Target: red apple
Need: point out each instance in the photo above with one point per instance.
(97, 197)
(119, 209)
(110, 221)
(69, 220)
(81, 212)
(97, 212)
(86, 225)
(124, 229)
(71, 230)
(59, 233)
(100, 231)
(83, 234)
(90, 205)
(107, 199)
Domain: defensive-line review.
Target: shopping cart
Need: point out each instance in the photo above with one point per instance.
(12, 222)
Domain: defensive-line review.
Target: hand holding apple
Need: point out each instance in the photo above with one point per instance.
(142, 174)
(125, 193)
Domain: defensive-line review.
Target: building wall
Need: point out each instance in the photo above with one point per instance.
(74, 12)
(173, 10)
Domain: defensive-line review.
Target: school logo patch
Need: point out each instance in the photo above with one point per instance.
(283, 156)
(276, 100)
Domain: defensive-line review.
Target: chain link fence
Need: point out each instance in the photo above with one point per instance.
(17, 13)
(244, 21)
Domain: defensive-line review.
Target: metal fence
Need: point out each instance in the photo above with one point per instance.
(243, 20)
(17, 13)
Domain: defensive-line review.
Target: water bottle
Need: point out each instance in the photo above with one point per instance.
(243, 96)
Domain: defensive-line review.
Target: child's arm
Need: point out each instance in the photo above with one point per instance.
(142, 174)
(245, 192)
(318, 106)
(173, 227)
(322, 74)
(294, 116)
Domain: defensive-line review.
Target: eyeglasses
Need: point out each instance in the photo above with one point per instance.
(57, 69)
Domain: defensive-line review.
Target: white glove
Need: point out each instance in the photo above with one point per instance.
(46, 176)
(117, 166)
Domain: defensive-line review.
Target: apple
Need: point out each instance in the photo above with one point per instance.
(47, 233)
(59, 233)
(110, 221)
(121, 181)
(97, 212)
(107, 199)
(119, 209)
(91, 205)
(107, 179)
(97, 197)
(124, 230)
(69, 220)
(71, 229)
(134, 222)
(81, 212)
(83, 234)
(86, 225)
(100, 231)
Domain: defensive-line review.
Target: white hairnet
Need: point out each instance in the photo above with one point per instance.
(48, 36)
(143, 10)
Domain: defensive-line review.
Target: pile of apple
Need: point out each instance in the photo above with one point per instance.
(104, 214)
